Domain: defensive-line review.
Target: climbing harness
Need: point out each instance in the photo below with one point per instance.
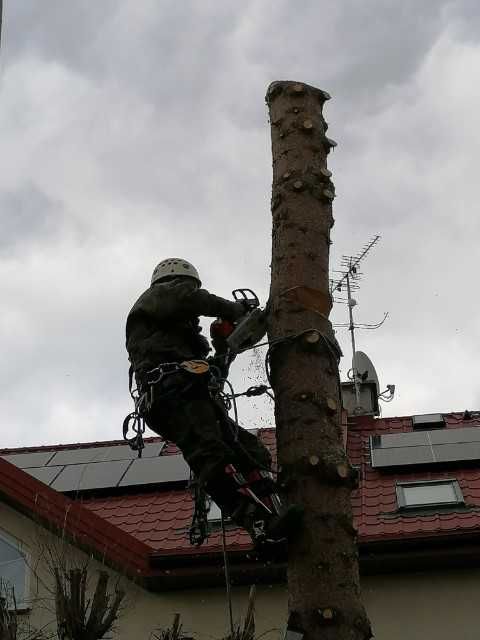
(143, 398)
(135, 422)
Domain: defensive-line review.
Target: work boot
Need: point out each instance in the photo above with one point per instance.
(265, 528)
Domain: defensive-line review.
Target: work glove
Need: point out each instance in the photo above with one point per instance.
(219, 331)
(221, 328)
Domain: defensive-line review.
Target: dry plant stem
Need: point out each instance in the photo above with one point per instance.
(323, 578)
(8, 620)
(246, 631)
(78, 620)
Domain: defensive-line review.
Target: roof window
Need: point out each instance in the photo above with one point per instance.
(428, 493)
(428, 421)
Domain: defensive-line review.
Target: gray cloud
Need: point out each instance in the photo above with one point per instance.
(131, 131)
(29, 216)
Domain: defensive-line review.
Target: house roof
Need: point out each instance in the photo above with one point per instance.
(139, 528)
(374, 503)
(60, 513)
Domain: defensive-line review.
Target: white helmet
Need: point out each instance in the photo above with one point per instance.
(174, 267)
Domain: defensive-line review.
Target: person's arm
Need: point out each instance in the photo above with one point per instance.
(200, 302)
(184, 301)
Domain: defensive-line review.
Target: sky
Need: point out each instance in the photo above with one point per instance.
(135, 131)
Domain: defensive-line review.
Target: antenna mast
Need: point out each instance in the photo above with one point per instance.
(350, 275)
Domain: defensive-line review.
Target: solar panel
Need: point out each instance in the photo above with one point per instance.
(27, 460)
(104, 454)
(425, 447)
(401, 456)
(447, 436)
(124, 452)
(458, 451)
(79, 456)
(156, 470)
(97, 467)
(44, 474)
(403, 440)
(96, 475)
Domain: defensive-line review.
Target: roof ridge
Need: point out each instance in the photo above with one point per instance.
(91, 444)
(73, 445)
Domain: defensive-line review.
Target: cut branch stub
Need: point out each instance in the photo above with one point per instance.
(328, 194)
(329, 144)
(332, 472)
(331, 405)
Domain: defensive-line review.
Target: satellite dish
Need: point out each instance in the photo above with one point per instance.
(364, 370)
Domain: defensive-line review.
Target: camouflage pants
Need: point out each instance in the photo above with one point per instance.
(205, 434)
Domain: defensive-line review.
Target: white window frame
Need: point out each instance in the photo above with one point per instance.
(215, 523)
(214, 506)
(402, 505)
(17, 544)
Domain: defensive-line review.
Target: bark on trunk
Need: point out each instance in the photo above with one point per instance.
(323, 579)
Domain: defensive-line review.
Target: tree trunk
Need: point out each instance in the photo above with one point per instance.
(323, 578)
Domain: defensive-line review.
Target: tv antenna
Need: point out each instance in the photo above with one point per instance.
(348, 281)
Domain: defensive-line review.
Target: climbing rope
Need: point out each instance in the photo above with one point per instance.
(198, 531)
(256, 390)
(226, 569)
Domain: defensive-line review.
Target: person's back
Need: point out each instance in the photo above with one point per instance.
(162, 327)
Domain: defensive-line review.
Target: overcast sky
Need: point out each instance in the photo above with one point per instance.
(137, 130)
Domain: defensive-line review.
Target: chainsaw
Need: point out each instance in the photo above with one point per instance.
(245, 332)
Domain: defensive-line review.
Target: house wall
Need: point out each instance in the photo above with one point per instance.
(202, 611)
(441, 605)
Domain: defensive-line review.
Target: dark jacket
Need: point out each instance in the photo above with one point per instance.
(163, 324)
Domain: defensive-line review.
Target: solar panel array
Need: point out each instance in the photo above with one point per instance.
(102, 467)
(425, 447)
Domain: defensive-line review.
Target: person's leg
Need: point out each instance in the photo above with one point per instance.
(190, 421)
(250, 452)
(256, 450)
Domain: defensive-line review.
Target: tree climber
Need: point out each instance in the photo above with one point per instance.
(163, 335)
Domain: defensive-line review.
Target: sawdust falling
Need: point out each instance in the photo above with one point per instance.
(260, 408)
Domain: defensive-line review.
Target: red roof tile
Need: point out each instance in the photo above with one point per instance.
(160, 519)
(375, 503)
